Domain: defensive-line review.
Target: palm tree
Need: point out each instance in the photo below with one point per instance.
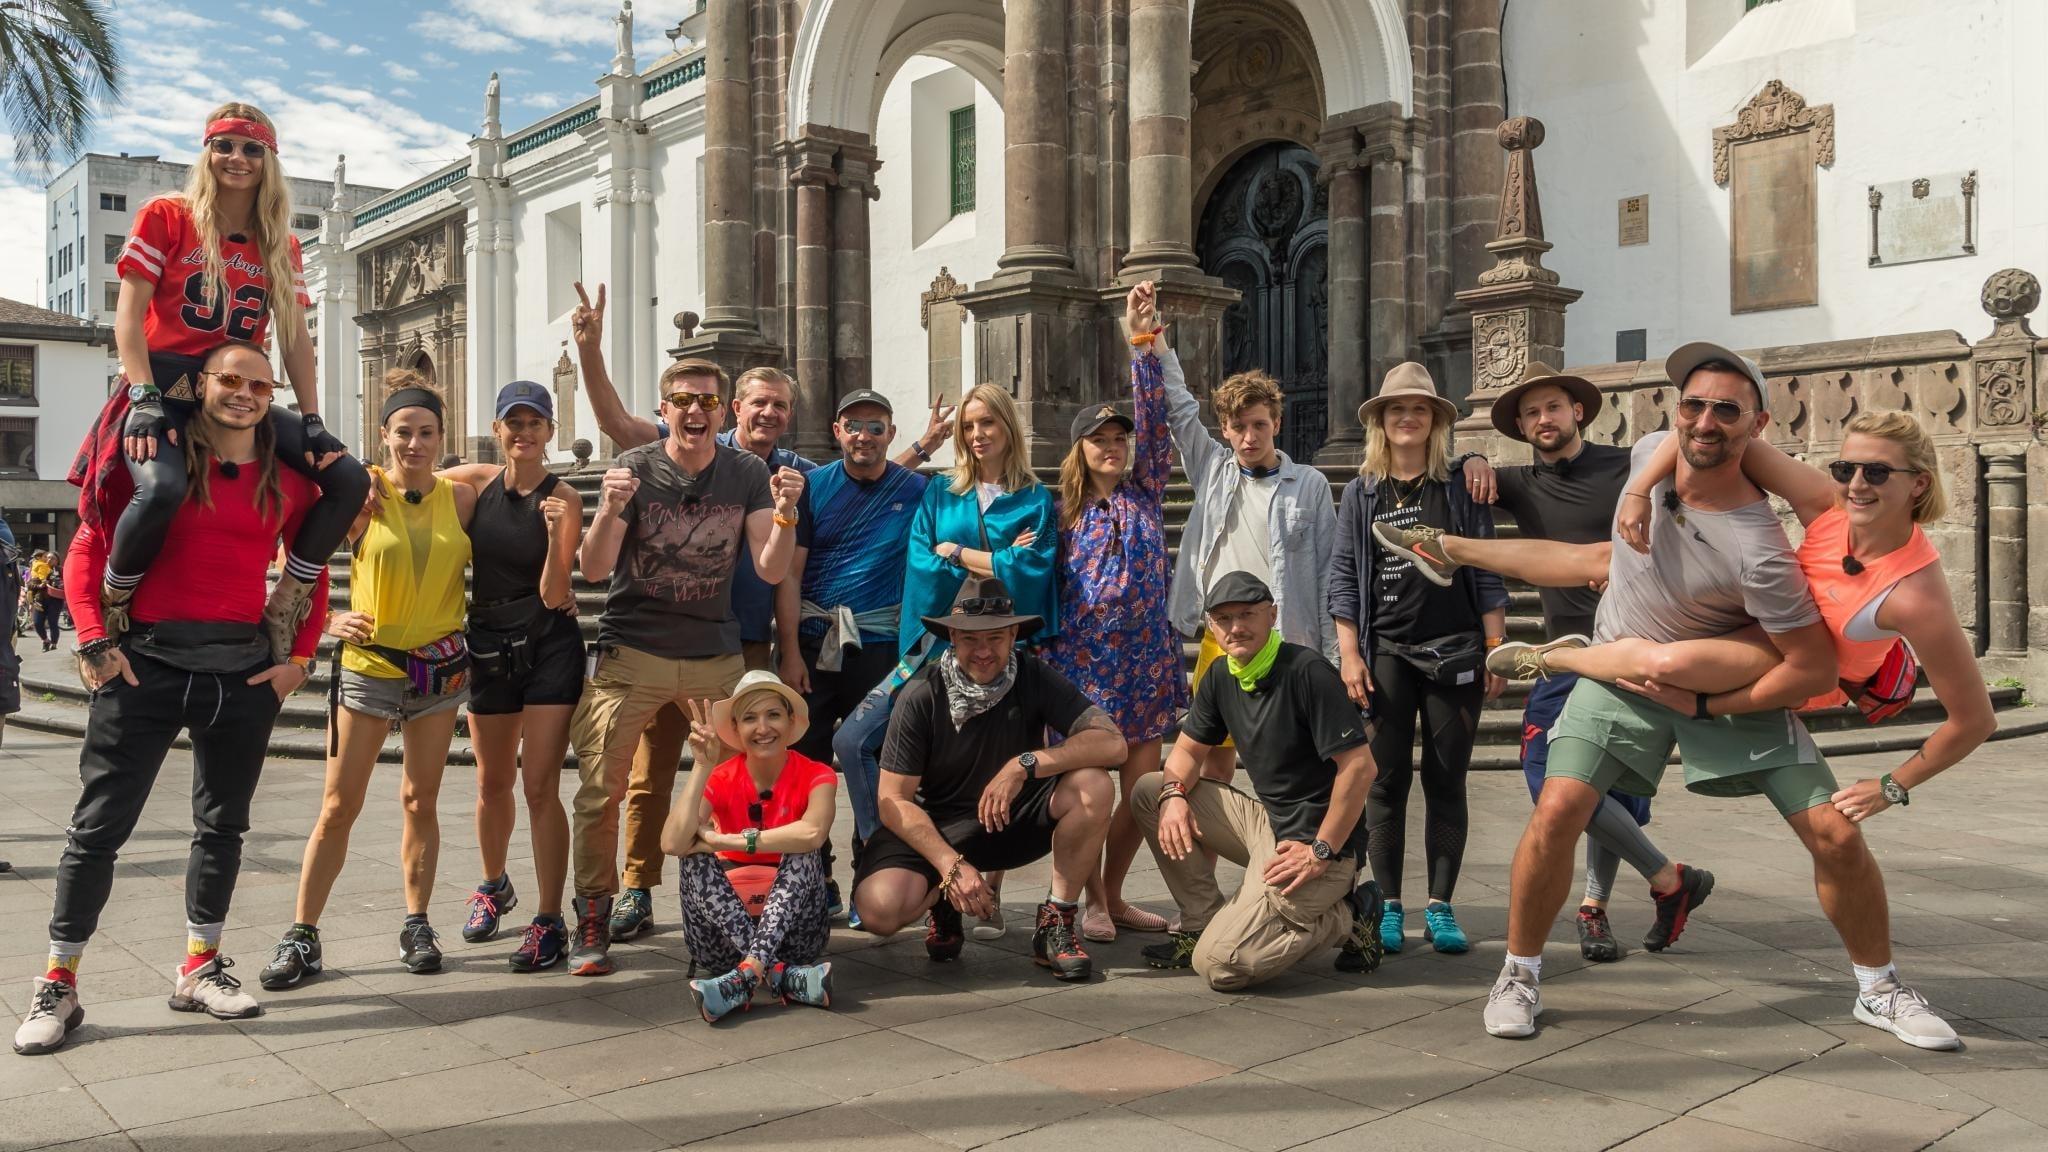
(57, 59)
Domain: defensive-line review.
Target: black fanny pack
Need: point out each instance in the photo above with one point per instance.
(1451, 661)
(208, 649)
(502, 636)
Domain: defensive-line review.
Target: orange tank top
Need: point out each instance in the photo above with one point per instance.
(1842, 596)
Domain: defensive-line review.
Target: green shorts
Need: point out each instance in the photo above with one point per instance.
(1610, 738)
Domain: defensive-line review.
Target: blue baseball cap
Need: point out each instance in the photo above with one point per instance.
(525, 394)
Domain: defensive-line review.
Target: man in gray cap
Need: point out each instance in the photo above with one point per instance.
(1308, 754)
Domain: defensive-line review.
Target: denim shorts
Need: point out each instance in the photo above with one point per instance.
(393, 698)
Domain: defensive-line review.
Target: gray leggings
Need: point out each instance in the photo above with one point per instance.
(1611, 837)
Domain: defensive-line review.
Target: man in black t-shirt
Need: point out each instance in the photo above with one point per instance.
(1307, 752)
(968, 787)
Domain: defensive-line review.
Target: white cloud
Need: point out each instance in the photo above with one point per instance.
(356, 50)
(463, 34)
(282, 19)
(564, 56)
(400, 93)
(542, 100)
(275, 40)
(326, 43)
(164, 16)
(399, 71)
(435, 60)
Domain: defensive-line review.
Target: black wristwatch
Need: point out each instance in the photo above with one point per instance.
(1699, 707)
(1029, 762)
(1322, 850)
(1894, 792)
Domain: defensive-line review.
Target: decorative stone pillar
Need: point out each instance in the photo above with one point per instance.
(728, 171)
(1518, 307)
(1348, 297)
(2007, 396)
(812, 175)
(1035, 137)
(852, 322)
(1160, 169)
(2005, 569)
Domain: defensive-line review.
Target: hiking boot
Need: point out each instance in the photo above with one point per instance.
(592, 953)
(1514, 1003)
(486, 905)
(1440, 930)
(1596, 941)
(209, 989)
(803, 983)
(1362, 949)
(1054, 944)
(942, 936)
(52, 1013)
(541, 945)
(1673, 908)
(296, 957)
(1177, 951)
(1900, 1011)
(1519, 660)
(1420, 545)
(114, 604)
(720, 996)
(419, 948)
(285, 613)
(1391, 939)
(632, 914)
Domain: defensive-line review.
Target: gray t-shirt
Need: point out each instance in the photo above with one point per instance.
(1715, 574)
(671, 593)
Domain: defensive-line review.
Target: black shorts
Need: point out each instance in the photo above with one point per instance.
(1027, 838)
(554, 674)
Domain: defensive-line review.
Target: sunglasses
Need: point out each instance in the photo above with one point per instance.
(262, 389)
(224, 147)
(1875, 474)
(871, 427)
(1725, 411)
(708, 401)
(985, 606)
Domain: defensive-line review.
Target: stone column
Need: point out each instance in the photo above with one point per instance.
(728, 171)
(2005, 492)
(1161, 105)
(812, 176)
(1387, 233)
(852, 312)
(1478, 94)
(2007, 395)
(1035, 136)
(1349, 275)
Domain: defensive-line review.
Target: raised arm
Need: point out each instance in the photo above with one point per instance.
(586, 325)
(1806, 488)
(1184, 418)
(563, 511)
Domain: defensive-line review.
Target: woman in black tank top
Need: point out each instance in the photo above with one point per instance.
(527, 666)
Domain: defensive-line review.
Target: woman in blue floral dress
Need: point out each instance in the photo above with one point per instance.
(1116, 641)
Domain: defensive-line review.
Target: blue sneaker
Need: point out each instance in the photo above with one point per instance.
(719, 996)
(542, 945)
(632, 914)
(835, 907)
(487, 905)
(803, 983)
(1390, 926)
(1440, 928)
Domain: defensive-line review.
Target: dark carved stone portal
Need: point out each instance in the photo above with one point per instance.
(1265, 232)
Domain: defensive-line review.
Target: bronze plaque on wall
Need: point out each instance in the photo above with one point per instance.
(1773, 252)
(1634, 226)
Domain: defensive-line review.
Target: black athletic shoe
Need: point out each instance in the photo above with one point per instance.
(1055, 945)
(942, 935)
(296, 957)
(1178, 951)
(1596, 942)
(1694, 885)
(418, 948)
(1363, 949)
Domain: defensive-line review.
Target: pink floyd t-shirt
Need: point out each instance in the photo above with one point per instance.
(671, 593)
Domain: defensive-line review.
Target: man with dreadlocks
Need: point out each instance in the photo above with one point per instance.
(195, 658)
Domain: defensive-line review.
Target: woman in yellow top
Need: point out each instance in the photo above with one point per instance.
(403, 661)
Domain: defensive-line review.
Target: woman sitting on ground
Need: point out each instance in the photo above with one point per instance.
(755, 822)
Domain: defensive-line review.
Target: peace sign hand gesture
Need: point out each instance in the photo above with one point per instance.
(704, 739)
(586, 323)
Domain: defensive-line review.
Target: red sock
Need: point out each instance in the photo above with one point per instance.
(197, 961)
(64, 975)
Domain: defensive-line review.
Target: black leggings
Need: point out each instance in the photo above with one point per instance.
(1450, 721)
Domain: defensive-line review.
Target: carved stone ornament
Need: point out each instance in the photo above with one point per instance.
(2010, 296)
(944, 287)
(2001, 392)
(1518, 245)
(1500, 348)
(1776, 111)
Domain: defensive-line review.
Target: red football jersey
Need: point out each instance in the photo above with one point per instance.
(164, 249)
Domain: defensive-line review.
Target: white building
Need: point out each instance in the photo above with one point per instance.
(54, 374)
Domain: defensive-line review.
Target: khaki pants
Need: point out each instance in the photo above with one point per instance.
(619, 703)
(1258, 933)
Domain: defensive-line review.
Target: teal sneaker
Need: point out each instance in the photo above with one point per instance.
(1440, 928)
(632, 914)
(719, 996)
(1390, 926)
(803, 983)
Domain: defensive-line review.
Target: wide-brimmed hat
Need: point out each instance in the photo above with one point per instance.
(1581, 390)
(755, 681)
(1408, 381)
(983, 605)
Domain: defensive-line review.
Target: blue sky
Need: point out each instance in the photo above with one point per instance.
(398, 87)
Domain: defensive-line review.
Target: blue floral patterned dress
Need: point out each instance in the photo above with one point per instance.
(1116, 641)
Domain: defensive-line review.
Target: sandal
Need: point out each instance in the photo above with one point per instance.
(1097, 927)
(1139, 920)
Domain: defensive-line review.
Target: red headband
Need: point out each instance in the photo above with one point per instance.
(252, 129)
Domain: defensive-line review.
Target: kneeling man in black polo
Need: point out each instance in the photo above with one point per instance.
(969, 787)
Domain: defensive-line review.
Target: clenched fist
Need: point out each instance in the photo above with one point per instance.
(786, 487)
(619, 486)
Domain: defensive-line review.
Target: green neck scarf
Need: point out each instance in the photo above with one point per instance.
(1251, 672)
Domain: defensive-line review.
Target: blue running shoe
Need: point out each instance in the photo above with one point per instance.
(1440, 928)
(487, 905)
(632, 914)
(719, 996)
(542, 945)
(803, 983)
(835, 907)
(1390, 926)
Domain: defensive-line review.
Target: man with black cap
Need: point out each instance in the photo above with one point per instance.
(836, 627)
(1307, 752)
(969, 787)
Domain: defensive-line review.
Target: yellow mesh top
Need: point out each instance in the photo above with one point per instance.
(408, 575)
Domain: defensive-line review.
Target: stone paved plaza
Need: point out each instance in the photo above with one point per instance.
(1739, 1039)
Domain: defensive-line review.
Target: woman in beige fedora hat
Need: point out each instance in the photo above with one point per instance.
(763, 810)
(1412, 652)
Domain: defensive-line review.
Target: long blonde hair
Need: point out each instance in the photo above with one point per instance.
(1379, 454)
(1017, 474)
(1910, 434)
(270, 225)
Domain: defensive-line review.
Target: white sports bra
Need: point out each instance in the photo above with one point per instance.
(1862, 627)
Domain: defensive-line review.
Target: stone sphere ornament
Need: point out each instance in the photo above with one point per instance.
(2011, 293)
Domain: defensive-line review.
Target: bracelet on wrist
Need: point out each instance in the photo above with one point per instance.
(1495, 641)
(92, 649)
(923, 453)
(785, 521)
(1638, 495)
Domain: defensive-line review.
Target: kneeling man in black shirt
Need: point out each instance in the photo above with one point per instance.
(1306, 749)
(969, 787)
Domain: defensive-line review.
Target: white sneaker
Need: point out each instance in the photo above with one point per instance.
(1904, 1013)
(209, 989)
(1514, 1003)
(991, 928)
(52, 1014)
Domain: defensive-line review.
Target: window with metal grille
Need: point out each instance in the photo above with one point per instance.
(17, 374)
(963, 159)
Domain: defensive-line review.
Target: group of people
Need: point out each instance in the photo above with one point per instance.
(972, 654)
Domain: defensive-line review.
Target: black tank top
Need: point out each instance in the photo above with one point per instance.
(509, 541)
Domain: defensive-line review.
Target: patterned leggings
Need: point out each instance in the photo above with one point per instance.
(792, 928)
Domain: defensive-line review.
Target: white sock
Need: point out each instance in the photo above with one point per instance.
(1867, 978)
(1533, 963)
